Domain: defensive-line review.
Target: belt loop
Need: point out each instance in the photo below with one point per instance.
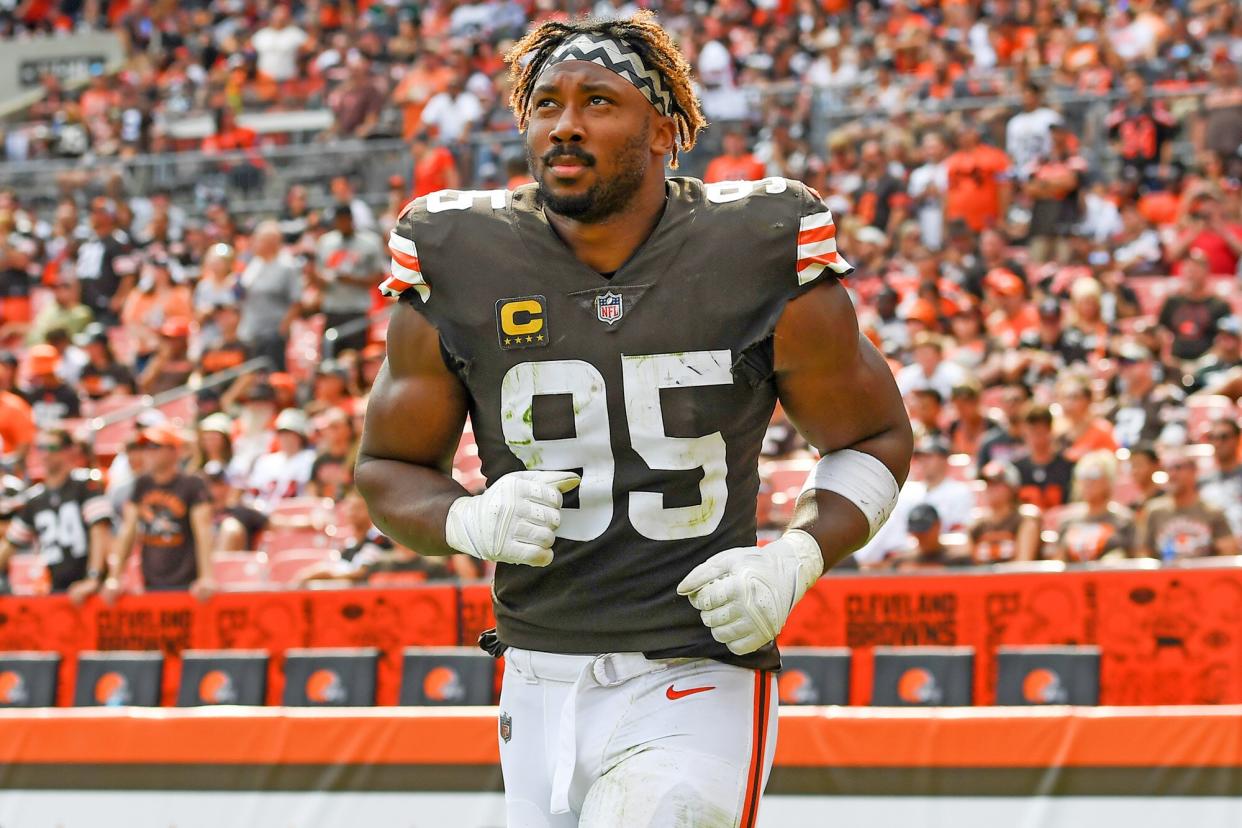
(521, 661)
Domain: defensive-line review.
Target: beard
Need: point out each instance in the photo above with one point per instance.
(606, 197)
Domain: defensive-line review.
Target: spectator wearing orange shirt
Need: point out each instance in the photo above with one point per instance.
(979, 188)
(435, 168)
(736, 163)
(428, 77)
(1078, 430)
(17, 423)
(1013, 316)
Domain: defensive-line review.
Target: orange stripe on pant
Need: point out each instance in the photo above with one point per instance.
(754, 780)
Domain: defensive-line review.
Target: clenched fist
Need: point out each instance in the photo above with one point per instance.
(514, 521)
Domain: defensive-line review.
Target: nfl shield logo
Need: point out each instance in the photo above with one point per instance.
(608, 307)
(506, 727)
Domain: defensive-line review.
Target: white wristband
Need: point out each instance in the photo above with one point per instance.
(861, 479)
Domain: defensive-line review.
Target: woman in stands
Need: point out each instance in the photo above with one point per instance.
(1006, 530)
(1094, 526)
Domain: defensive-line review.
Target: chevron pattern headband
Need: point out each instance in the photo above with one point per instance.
(616, 56)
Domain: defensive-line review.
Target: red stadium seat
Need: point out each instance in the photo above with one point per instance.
(238, 571)
(784, 479)
(276, 541)
(285, 566)
(182, 411)
(301, 512)
(28, 574)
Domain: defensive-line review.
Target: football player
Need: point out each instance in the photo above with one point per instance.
(619, 341)
(67, 517)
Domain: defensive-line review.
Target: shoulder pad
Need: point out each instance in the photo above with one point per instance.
(424, 219)
(33, 492)
(816, 234)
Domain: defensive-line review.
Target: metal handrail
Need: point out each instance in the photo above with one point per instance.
(150, 401)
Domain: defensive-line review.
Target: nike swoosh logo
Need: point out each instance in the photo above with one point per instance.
(674, 694)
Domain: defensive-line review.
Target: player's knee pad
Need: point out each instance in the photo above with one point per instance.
(665, 789)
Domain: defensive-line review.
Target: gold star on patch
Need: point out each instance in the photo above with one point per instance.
(530, 339)
(508, 341)
(539, 338)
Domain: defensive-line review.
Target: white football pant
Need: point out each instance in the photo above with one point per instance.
(622, 741)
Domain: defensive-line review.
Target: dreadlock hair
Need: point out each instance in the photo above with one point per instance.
(642, 33)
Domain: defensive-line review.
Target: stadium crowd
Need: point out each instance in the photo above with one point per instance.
(1058, 293)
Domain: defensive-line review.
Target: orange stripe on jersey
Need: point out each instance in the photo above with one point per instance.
(405, 260)
(828, 231)
(754, 779)
(821, 259)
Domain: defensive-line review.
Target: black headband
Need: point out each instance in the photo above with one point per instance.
(619, 57)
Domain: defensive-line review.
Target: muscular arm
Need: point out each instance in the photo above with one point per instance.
(414, 421)
(838, 393)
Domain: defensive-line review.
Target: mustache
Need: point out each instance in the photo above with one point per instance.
(570, 151)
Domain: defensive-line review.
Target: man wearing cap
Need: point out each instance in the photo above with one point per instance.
(236, 526)
(1190, 317)
(1224, 357)
(67, 517)
(929, 485)
(169, 516)
(286, 471)
(1005, 530)
(1050, 347)
(47, 394)
(349, 267)
(924, 527)
(170, 367)
(1013, 315)
(1142, 406)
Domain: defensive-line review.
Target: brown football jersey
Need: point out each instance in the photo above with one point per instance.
(655, 384)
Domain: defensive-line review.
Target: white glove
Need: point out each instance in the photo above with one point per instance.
(745, 594)
(513, 521)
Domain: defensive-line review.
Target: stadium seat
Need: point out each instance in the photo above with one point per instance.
(439, 676)
(28, 679)
(923, 676)
(279, 540)
(210, 677)
(28, 574)
(1047, 675)
(785, 478)
(284, 566)
(117, 679)
(240, 571)
(342, 677)
(300, 512)
(182, 411)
